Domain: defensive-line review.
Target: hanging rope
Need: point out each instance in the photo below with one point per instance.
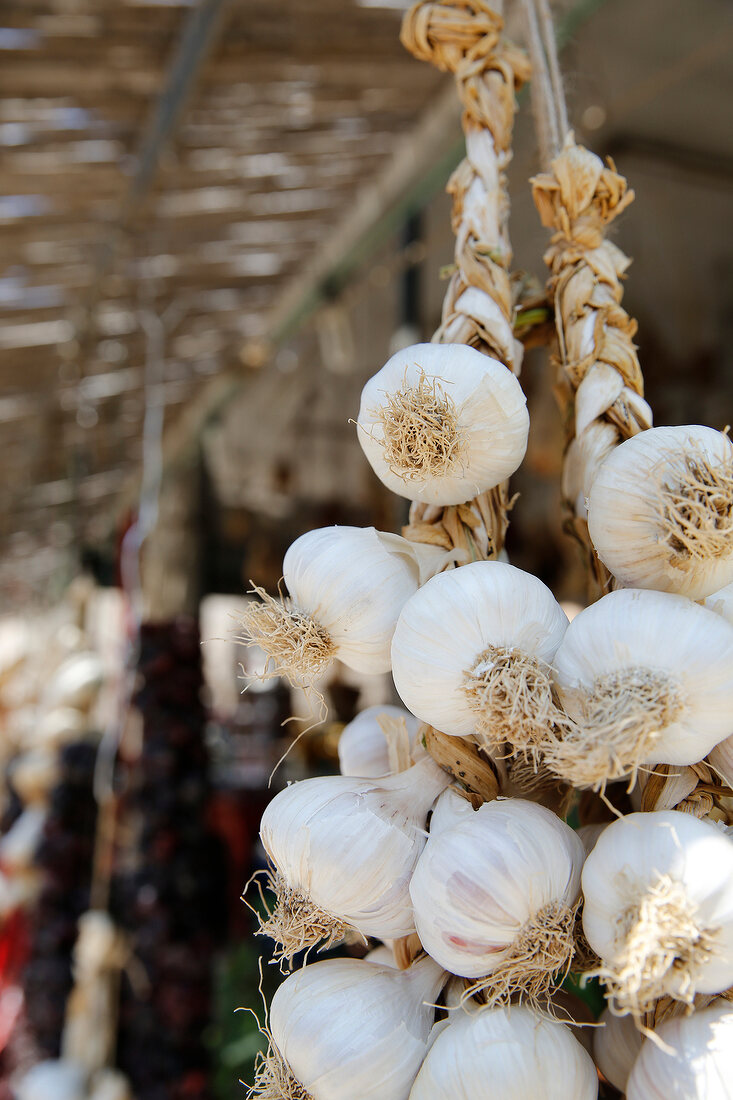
(464, 37)
(600, 387)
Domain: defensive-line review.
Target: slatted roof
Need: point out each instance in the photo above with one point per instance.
(156, 152)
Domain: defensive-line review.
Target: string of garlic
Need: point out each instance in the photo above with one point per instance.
(495, 893)
(689, 1058)
(346, 587)
(601, 381)
(464, 37)
(471, 655)
(511, 1053)
(379, 741)
(660, 511)
(343, 851)
(645, 677)
(658, 908)
(348, 1028)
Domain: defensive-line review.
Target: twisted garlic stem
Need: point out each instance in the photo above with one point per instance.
(464, 37)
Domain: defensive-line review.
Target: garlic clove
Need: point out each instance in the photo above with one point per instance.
(660, 511)
(494, 894)
(658, 908)
(616, 1046)
(442, 423)
(471, 654)
(513, 1054)
(346, 1027)
(691, 1058)
(363, 746)
(343, 850)
(347, 586)
(643, 676)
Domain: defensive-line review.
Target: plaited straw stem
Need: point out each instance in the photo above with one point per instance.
(601, 385)
(464, 37)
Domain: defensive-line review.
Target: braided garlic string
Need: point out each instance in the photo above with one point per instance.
(464, 37)
(601, 385)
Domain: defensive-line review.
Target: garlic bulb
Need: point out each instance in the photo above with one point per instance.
(660, 510)
(616, 1047)
(364, 748)
(343, 850)
(349, 1028)
(644, 677)
(692, 1061)
(471, 654)
(347, 586)
(495, 893)
(658, 908)
(441, 423)
(508, 1053)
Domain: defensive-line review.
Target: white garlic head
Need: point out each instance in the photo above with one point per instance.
(472, 650)
(349, 1028)
(365, 744)
(644, 677)
(441, 423)
(494, 894)
(616, 1046)
(343, 851)
(511, 1053)
(346, 588)
(692, 1061)
(658, 908)
(660, 510)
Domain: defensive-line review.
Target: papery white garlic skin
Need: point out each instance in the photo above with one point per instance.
(616, 1046)
(350, 845)
(484, 874)
(721, 602)
(447, 626)
(353, 582)
(382, 954)
(490, 412)
(629, 518)
(659, 634)
(508, 1053)
(362, 747)
(630, 858)
(695, 1062)
(347, 1027)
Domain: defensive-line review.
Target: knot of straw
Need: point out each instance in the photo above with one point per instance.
(662, 947)
(622, 717)
(511, 693)
(297, 647)
(296, 923)
(536, 963)
(420, 430)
